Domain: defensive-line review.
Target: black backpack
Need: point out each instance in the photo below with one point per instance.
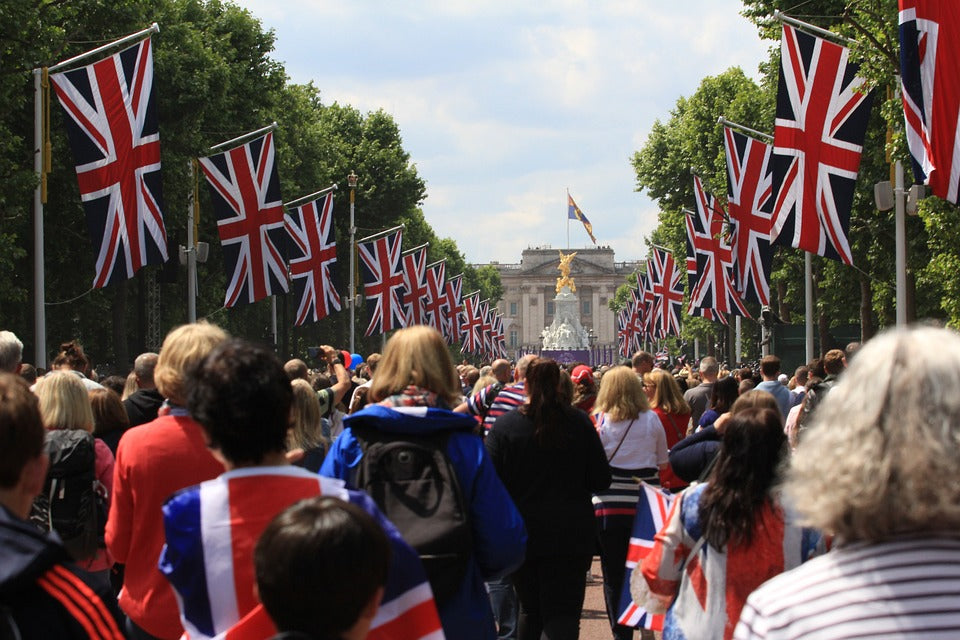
(412, 480)
(73, 502)
(811, 400)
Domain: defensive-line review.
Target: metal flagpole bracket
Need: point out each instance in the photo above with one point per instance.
(416, 248)
(748, 130)
(380, 234)
(247, 137)
(312, 196)
(779, 16)
(133, 37)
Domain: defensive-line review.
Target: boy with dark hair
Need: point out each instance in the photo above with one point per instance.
(242, 397)
(41, 595)
(321, 566)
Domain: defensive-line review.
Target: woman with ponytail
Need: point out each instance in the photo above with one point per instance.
(551, 460)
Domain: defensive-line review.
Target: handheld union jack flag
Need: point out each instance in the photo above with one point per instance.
(313, 252)
(453, 291)
(929, 58)
(435, 303)
(667, 283)
(112, 125)
(383, 281)
(245, 189)
(652, 511)
(710, 260)
(822, 114)
(414, 284)
(750, 203)
(471, 324)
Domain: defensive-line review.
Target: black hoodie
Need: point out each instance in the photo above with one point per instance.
(41, 595)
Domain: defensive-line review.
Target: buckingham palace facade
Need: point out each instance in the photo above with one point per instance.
(530, 286)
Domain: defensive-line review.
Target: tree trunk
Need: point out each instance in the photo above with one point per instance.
(121, 350)
(866, 309)
(783, 308)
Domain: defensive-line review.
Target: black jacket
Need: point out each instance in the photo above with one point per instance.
(37, 585)
(142, 406)
(690, 457)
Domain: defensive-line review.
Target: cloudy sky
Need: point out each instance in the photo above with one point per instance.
(504, 105)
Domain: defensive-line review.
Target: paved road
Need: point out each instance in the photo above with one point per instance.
(593, 622)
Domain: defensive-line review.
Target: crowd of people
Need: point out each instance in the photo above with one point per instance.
(218, 492)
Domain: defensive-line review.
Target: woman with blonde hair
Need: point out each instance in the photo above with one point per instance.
(410, 401)
(636, 447)
(667, 402)
(65, 406)
(306, 426)
(155, 460)
(879, 470)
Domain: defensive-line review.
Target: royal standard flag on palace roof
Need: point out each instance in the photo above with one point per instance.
(574, 213)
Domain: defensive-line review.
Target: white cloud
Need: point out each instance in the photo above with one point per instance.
(504, 105)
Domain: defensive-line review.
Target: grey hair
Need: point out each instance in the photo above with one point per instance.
(144, 366)
(523, 364)
(11, 351)
(709, 365)
(882, 456)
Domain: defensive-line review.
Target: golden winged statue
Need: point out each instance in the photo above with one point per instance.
(565, 280)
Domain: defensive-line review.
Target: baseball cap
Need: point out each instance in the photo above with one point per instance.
(581, 373)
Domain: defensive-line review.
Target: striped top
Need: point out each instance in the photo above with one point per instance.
(904, 588)
(485, 403)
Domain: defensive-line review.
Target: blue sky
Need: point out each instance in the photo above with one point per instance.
(504, 105)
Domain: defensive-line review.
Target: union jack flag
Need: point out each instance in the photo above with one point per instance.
(822, 114)
(652, 510)
(645, 293)
(471, 324)
(435, 303)
(414, 284)
(710, 260)
(497, 337)
(667, 283)
(750, 203)
(112, 126)
(453, 291)
(245, 189)
(313, 251)
(637, 320)
(486, 326)
(211, 531)
(624, 337)
(929, 37)
(383, 281)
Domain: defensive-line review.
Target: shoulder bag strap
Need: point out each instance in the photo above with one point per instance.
(673, 424)
(622, 438)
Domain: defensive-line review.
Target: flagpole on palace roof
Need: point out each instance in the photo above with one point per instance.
(236, 142)
(568, 219)
(748, 130)
(133, 37)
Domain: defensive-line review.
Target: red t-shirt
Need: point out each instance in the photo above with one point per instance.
(675, 426)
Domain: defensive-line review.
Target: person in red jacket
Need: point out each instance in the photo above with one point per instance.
(153, 461)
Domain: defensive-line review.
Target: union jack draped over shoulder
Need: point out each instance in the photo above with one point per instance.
(112, 126)
(929, 63)
(822, 116)
(245, 190)
(313, 252)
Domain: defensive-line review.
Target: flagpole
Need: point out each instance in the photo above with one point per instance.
(901, 246)
(311, 197)
(800, 24)
(191, 249)
(380, 234)
(352, 184)
(568, 219)
(246, 137)
(416, 248)
(39, 294)
(133, 37)
(808, 300)
(754, 132)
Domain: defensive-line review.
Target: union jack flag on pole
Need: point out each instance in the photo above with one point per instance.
(435, 303)
(453, 292)
(414, 284)
(383, 280)
(624, 337)
(111, 120)
(750, 204)
(472, 324)
(822, 115)
(245, 190)
(929, 63)
(710, 260)
(666, 281)
(652, 510)
(313, 252)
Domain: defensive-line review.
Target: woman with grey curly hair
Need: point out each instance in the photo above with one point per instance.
(880, 470)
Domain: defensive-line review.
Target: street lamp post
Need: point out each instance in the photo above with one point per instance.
(352, 183)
